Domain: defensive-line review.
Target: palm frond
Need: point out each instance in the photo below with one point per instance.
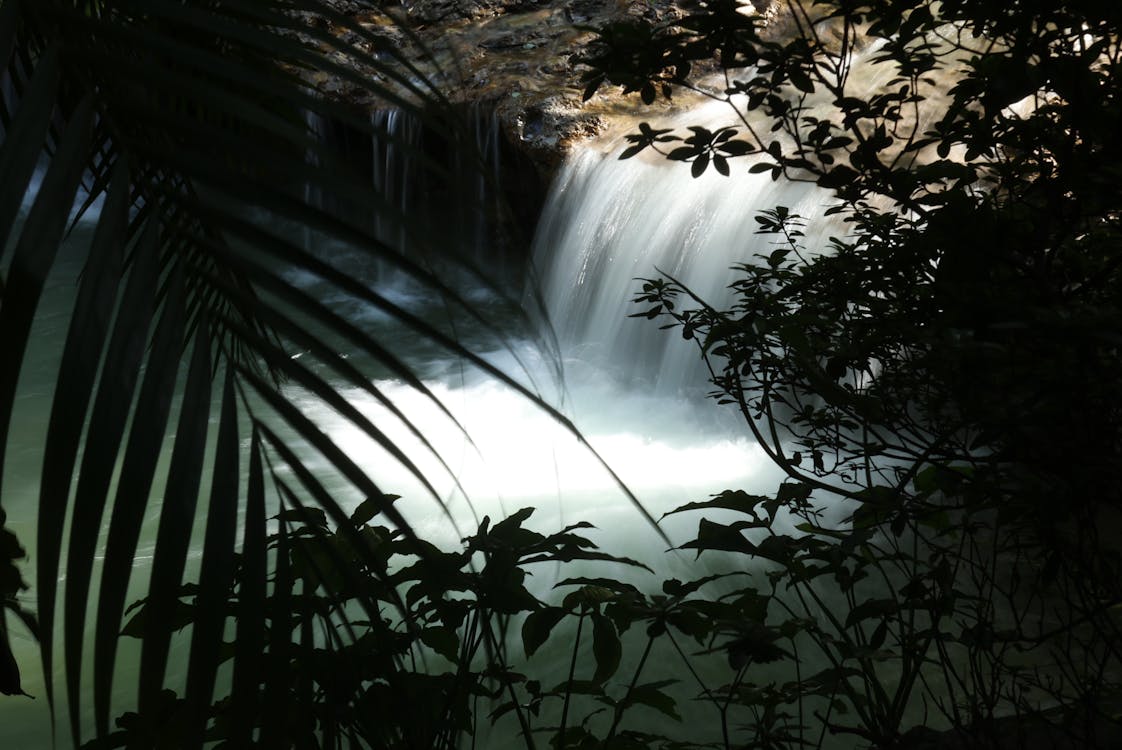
(186, 123)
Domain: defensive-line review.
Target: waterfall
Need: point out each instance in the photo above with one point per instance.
(448, 184)
(316, 126)
(608, 223)
(438, 185)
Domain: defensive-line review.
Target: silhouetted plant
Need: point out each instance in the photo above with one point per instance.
(186, 125)
(411, 671)
(943, 371)
(921, 573)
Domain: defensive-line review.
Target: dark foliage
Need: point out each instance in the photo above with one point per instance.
(412, 673)
(947, 367)
(192, 122)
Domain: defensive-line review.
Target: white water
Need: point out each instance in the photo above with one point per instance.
(609, 222)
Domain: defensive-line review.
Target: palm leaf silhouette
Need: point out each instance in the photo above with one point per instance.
(187, 121)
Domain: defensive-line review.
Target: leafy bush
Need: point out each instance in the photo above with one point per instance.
(335, 672)
(945, 370)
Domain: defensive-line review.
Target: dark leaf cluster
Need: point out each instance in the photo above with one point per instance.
(945, 366)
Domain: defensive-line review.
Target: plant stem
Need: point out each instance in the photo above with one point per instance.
(486, 626)
(634, 679)
(569, 685)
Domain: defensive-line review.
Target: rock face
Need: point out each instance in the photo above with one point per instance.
(517, 57)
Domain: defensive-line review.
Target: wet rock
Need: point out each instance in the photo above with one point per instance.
(435, 11)
(517, 56)
(546, 128)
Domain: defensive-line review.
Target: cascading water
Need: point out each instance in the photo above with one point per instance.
(438, 188)
(610, 222)
(397, 175)
(597, 215)
(605, 222)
